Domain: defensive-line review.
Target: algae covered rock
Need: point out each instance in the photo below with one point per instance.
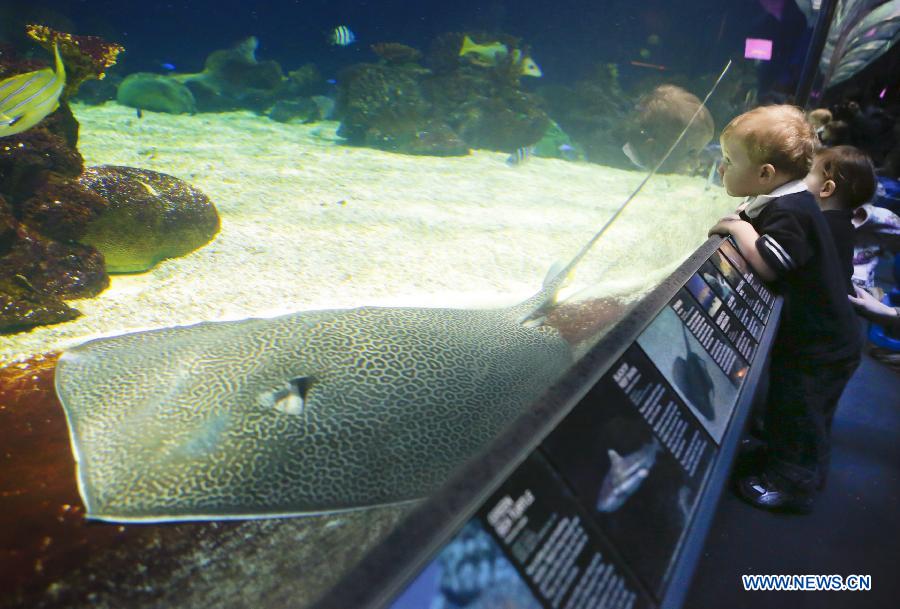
(151, 216)
(147, 91)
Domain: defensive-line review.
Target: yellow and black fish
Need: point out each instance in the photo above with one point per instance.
(490, 54)
(26, 99)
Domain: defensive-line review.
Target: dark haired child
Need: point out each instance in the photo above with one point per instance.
(841, 179)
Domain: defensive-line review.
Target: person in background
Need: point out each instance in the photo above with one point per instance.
(886, 316)
(836, 133)
(842, 178)
(874, 310)
(876, 233)
(784, 236)
(818, 118)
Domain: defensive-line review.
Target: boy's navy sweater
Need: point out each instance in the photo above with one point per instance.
(818, 324)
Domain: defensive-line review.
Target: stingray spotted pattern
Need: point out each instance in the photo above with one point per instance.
(311, 412)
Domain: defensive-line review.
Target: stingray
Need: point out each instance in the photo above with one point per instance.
(311, 412)
(307, 413)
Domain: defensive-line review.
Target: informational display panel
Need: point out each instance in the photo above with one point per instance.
(531, 546)
(599, 514)
(635, 454)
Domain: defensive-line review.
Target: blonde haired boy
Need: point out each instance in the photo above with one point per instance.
(784, 236)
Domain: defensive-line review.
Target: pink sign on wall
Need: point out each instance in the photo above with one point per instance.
(758, 48)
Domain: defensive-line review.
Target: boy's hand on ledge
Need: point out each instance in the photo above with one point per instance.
(723, 226)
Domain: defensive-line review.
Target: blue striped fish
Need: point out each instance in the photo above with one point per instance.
(342, 36)
(520, 156)
(26, 99)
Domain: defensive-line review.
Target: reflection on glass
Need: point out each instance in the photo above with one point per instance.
(298, 256)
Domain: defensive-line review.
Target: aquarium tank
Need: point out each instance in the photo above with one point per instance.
(270, 272)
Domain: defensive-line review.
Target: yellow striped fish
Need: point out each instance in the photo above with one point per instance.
(26, 99)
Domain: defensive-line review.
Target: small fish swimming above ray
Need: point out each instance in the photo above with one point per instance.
(342, 36)
(520, 156)
(26, 99)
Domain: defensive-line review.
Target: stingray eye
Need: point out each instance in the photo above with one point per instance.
(301, 385)
(290, 398)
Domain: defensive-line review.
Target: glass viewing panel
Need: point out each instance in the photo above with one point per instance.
(304, 259)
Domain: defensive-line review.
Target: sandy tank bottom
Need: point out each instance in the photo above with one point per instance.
(310, 223)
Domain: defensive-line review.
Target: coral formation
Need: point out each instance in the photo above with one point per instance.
(22, 305)
(49, 212)
(305, 80)
(594, 111)
(396, 53)
(151, 216)
(54, 269)
(380, 106)
(487, 112)
(27, 159)
(39, 265)
(234, 78)
(48, 208)
(147, 91)
(303, 110)
(400, 106)
(86, 57)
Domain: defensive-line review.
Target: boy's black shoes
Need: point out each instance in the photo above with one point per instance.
(766, 492)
